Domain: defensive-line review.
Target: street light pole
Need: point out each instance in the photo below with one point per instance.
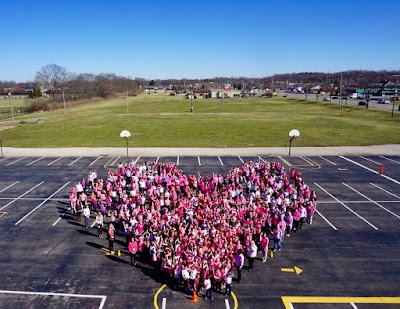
(395, 93)
(127, 101)
(191, 102)
(12, 110)
(65, 107)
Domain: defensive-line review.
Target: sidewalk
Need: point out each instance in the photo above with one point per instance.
(376, 150)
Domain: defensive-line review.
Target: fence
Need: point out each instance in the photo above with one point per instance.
(5, 112)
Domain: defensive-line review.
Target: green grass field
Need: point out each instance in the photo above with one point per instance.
(160, 120)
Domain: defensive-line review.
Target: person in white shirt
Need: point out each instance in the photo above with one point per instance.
(207, 287)
(193, 274)
(228, 283)
(185, 277)
(86, 215)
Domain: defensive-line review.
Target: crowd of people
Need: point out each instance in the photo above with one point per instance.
(196, 231)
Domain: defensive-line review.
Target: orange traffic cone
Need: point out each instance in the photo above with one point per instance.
(381, 169)
(194, 299)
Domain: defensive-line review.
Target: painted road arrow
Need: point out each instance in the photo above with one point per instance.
(295, 269)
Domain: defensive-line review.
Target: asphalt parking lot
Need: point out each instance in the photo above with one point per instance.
(349, 257)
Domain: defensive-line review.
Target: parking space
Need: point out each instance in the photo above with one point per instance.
(356, 229)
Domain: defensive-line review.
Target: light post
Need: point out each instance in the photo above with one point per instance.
(11, 107)
(222, 98)
(126, 101)
(65, 107)
(191, 103)
(293, 134)
(126, 134)
(395, 93)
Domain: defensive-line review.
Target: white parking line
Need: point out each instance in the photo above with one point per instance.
(102, 297)
(219, 158)
(21, 195)
(333, 163)
(158, 158)
(327, 221)
(198, 158)
(261, 159)
(9, 186)
(34, 209)
(15, 161)
(356, 202)
(376, 203)
(61, 216)
(240, 159)
(354, 305)
(51, 163)
(164, 303)
(227, 304)
(74, 161)
(115, 160)
(177, 161)
(291, 306)
(391, 160)
(348, 208)
(390, 193)
(37, 199)
(377, 163)
(371, 170)
(95, 161)
(305, 159)
(35, 161)
(5, 158)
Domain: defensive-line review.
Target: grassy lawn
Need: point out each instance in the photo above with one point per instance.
(160, 120)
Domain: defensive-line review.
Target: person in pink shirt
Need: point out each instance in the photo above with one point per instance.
(264, 246)
(310, 212)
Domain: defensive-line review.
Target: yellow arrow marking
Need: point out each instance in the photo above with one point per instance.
(2, 214)
(295, 269)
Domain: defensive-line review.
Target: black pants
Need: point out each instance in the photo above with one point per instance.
(133, 259)
(251, 262)
(111, 244)
(239, 275)
(228, 289)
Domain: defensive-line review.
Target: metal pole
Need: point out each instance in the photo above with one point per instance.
(127, 101)
(341, 92)
(191, 103)
(222, 98)
(12, 110)
(65, 107)
(1, 146)
(395, 95)
(290, 145)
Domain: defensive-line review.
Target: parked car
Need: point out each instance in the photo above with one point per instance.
(383, 101)
(326, 99)
(362, 103)
(334, 98)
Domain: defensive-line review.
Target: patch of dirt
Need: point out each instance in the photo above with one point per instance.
(3, 128)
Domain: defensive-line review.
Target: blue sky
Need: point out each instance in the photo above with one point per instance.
(198, 39)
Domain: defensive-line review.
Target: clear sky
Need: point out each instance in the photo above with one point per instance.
(162, 39)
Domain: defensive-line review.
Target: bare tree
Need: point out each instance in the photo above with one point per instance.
(51, 76)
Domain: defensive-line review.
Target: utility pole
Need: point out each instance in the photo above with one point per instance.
(12, 110)
(65, 107)
(126, 101)
(222, 98)
(395, 93)
(341, 98)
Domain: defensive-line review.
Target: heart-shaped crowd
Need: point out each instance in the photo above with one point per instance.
(194, 228)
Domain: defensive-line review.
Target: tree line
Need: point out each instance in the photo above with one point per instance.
(59, 83)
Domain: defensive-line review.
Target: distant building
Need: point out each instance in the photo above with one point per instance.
(15, 93)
